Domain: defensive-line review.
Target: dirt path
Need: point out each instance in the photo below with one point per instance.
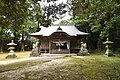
(5, 62)
(42, 57)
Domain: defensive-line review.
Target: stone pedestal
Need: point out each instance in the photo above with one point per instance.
(35, 52)
(108, 52)
(11, 54)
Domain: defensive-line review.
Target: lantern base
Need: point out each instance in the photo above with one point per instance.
(108, 52)
(11, 56)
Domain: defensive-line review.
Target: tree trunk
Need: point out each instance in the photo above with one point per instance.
(38, 28)
(1, 47)
(22, 43)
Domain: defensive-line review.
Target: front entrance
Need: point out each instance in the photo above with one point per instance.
(59, 42)
(59, 47)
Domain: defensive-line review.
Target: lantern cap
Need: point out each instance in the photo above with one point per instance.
(107, 42)
(12, 43)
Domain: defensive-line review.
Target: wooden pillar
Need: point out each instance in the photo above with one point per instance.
(49, 47)
(39, 47)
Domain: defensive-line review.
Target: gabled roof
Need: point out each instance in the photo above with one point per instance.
(70, 30)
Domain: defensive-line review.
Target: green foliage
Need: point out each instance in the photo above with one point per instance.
(97, 11)
(44, 22)
(53, 11)
(95, 28)
(65, 22)
(102, 17)
(4, 34)
(22, 17)
(17, 18)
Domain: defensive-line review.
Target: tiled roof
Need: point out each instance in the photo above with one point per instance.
(70, 30)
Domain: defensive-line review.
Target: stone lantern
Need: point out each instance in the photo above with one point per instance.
(11, 54)
(108, 44)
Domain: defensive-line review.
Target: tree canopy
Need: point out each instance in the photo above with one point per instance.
(99, 17)
(21, 17)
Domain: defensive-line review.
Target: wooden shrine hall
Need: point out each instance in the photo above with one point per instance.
(59, 39)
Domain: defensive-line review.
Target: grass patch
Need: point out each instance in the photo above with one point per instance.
(95, 67)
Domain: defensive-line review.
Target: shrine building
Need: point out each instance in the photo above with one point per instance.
(59, 39)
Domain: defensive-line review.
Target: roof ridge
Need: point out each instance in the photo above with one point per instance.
(62, 25)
